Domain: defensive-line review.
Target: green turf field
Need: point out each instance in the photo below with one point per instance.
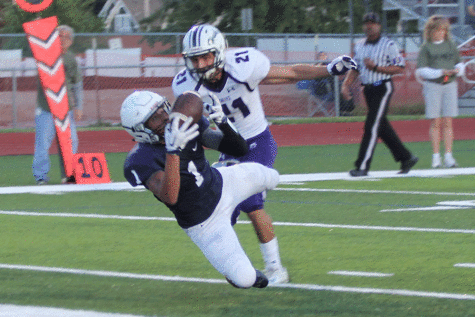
(147, 265)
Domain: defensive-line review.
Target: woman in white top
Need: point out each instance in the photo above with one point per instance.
(438, 63)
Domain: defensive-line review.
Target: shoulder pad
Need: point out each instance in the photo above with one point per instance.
(241, 63)
(183, 82)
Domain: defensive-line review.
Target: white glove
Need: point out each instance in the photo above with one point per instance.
(461, 69)
(177, 137)
(341, 65)
(215, 110)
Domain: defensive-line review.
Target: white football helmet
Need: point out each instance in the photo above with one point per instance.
(199, 40)
(136, 109)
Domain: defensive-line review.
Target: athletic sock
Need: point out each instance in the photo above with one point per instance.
(270, 253)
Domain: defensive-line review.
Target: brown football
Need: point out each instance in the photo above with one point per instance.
(189, 104)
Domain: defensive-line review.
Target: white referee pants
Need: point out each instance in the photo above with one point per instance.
(216, 237)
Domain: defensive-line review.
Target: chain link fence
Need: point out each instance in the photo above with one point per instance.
(114, 65)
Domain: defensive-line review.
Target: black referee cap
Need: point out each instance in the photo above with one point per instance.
(371, 17)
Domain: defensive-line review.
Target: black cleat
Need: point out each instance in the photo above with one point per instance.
(358, 173)
(408, 164)
(261, 280)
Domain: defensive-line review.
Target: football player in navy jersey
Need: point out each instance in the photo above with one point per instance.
(233, 76)
(169, 160)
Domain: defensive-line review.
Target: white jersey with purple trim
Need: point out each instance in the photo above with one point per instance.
(238, 93)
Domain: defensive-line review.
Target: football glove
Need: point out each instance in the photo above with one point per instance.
(215, 110)
(177, 137)
(341, 65)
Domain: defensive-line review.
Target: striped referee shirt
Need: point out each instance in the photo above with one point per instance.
(384, 52)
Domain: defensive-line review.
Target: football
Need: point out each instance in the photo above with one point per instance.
(189, 104)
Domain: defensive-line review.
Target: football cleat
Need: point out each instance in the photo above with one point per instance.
(278, 276)
(261, 280)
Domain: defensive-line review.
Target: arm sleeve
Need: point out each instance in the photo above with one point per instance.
(226, 140)
(429, 73)
(461, 68)
(232, 143)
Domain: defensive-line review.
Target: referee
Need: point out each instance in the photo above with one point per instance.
(378, 60)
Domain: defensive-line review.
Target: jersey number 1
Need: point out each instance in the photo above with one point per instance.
(236, 104)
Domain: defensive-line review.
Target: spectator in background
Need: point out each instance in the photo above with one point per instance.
(438, 63)
(324, 88)
(378, 60)
(470, 13)
(44, 126)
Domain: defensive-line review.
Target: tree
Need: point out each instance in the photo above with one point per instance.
(77, 14)
(269, 16)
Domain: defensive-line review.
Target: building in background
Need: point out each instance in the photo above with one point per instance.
(124, 16)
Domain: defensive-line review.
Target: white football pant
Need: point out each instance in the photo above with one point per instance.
(216, 237)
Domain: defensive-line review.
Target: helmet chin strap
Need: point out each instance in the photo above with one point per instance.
(209, 74)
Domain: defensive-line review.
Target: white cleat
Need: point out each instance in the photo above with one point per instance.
(436, 162)
(450, 162)
(278, 276)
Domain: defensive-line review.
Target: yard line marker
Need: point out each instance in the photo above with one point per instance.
(276, 223)
(468, 265)
(362, 274)
(313, 287)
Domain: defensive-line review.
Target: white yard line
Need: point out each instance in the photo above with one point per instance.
(313, 287)
(276, 223)
(370, 191)
(36, 311)
(361, 274)
(467, 265)
(431, 208)
(287, 178)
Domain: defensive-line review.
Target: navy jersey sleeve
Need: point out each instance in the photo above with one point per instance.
(143, 161)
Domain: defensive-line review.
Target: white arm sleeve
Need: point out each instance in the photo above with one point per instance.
(429, 73)
(461, 68)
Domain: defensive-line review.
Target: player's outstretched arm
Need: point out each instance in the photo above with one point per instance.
(292, 73)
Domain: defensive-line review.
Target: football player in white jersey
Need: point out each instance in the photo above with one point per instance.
(233, 76)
